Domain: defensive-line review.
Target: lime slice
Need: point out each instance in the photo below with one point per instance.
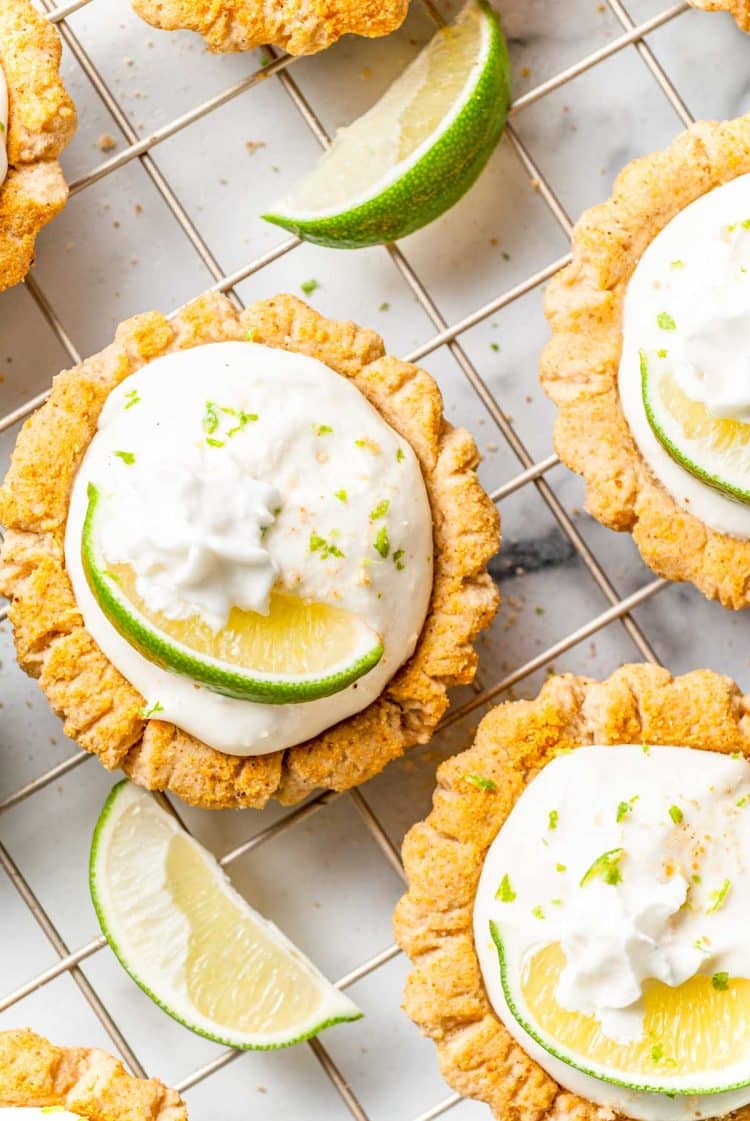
(696, 1036)
(716, 451)
(191, 941)
(299, 652)
(418, 150)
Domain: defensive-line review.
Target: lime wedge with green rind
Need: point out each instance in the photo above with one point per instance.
(713, 449)
(694, 1043)
(299, 652)
(418, 150)
(192, 943)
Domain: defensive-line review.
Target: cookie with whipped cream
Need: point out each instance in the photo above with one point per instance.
(37, 119)
(246, 554)
(300, 27)
(37, 1078)
(647, 362)
(575, 911)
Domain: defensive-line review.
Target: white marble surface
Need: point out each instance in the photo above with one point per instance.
(116, 251)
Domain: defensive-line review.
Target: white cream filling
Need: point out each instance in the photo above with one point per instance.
(3, 127)
(616, 936)
(695, 275)
(198, 520)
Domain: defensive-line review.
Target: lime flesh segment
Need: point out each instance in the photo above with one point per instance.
(298, 652)
(192, 943)
(715, 450)
(696, 1038)
(418, 150)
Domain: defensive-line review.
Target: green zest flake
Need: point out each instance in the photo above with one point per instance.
(385, 306)
(676, 814)
(538, 913)
(147, 712)
(553, 819)
(718, 897)
(743, 801)
(720, 981)
(657, 1053)
(400, 457)
(561, 867)
(661, 354)
(665, 321)
(398, 560)
(126, 457)
(210, 418)
(243, 418)
(494, 346)
(381, 544)
(309, 286)
(132, 397)
(700, 945)
(697, 879)
(745, 224)
(380, 510)
(505, 893)
(326, 549)
(677, 265)
(341, 495)
(212, 443)
(556, 902)
(481, 783)
(250, 335)
(323, 429)
(606, 867)
(646, 748)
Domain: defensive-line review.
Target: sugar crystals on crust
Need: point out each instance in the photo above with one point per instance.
(42, 120)
(298, 26)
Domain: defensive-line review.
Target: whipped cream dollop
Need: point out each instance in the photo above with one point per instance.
(227, 469)
(199, 549)
(678, 822)
(3, 127)
(688, 306)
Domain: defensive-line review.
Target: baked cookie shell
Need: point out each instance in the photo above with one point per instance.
(298, 26)
(444, 855)
(86, 1081)
(579, 365)
(100, 708)
(41, 121)
(740, 9)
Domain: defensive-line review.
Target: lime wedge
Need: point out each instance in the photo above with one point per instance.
(299, 652)
(191, 942)
(716, 451)
(696, 1036)
(418, 150)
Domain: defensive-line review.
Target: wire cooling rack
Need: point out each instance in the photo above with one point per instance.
(531, 472)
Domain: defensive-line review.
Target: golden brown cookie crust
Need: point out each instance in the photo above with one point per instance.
(41, 121)
(740, 9)
(580, 364)
(86, 1081)
(298, 26)
(443, 858)
(100, 708)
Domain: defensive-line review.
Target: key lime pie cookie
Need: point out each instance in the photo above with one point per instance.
(298, 26)
(648, 360)
(37, 1078)
(577, 903)
(740, 9)
(37, 119)
(246, 554)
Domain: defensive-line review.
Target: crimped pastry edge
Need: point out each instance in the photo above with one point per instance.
(443, 858)
(42, 120)
(100, 708)
(83, 1080)
(579, 366)
(240, 25)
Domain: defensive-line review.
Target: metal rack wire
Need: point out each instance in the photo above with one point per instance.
(531, 473)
